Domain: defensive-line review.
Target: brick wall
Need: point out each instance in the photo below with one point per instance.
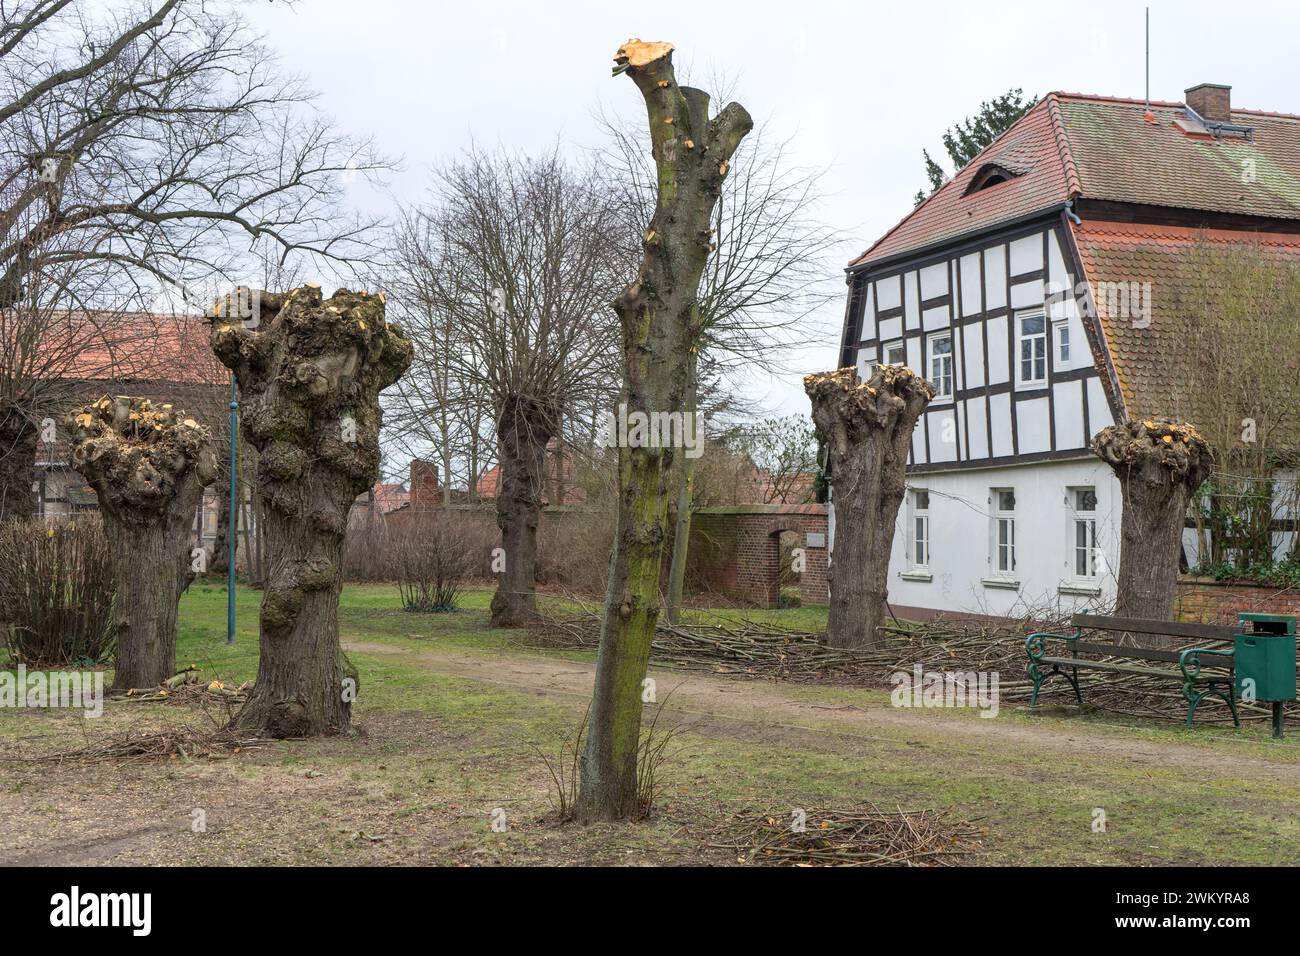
(1206, 601)
(736, 551)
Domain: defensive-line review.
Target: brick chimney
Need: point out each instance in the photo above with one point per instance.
(1211, 101)
(424, 485)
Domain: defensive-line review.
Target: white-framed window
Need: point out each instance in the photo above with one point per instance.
(1031, 357)
(941, 364)
(895, 353)
(1061, 338)
(1083, 533)
(1002, 555)
(918, 545)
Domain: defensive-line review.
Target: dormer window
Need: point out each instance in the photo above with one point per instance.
(990, 174)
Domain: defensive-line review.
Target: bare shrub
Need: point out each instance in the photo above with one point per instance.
(573, 548)
(56, 587)
(434, 553)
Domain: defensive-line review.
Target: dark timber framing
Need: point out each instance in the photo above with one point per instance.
(967, 304)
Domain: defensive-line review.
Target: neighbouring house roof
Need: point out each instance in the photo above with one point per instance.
(1151, 355)
(140, 347)
(389, 497)
(1078, 146)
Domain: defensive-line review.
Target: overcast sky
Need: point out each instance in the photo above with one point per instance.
(862, 86)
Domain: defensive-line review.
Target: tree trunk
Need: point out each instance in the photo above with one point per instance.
(309, 375)
(659, 315)
(148, 468)
(685, 504)
(1159, 464)
(524, 428)
(18, 439)
(867, 428)
(220, 562)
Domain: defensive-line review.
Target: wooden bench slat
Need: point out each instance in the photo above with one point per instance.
(1125, 668)
(1207, 632)
(1137, 653)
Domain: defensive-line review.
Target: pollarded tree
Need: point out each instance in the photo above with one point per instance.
(1159, 464)
(148, 467)
(309, 375)
(660, 318)
(867, 430)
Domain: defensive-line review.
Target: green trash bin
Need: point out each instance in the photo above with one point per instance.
(1265, 653)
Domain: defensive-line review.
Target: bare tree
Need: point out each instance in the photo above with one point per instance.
(1240, 304)
(660, 318)
(432, 410)
(766, 275)
(512, 271)
(139, 140)
(867, 430)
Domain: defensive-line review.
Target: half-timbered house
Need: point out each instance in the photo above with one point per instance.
(1035, 291)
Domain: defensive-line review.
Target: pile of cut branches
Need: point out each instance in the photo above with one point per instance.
(858, 836)
(740, 647)
(188, 742)
(188, 687)
(749, 649)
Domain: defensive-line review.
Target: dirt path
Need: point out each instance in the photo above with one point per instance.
(710, 704)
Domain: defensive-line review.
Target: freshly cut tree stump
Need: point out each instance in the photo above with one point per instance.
(867, 430)
(309, 375)
(1159, 463)
(660, 320)
(148, 467)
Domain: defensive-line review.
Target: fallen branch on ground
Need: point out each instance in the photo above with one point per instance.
(859, 836)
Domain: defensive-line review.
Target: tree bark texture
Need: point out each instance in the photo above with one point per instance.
(309, 374)
(659, 317)
(1159, 464)
(685, 502)
(219, 563)
(148, 468)
(867, 430)
(18, 438)
(524, 427)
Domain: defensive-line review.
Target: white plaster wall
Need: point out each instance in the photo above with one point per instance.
(960, 534)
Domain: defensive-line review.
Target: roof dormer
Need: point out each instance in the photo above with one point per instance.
(989, 175)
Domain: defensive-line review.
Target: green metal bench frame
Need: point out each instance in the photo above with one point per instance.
(1198, 683)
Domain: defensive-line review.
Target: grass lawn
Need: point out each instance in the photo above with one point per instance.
(451, 714)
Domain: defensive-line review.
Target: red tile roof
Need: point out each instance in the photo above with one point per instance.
(1150, 359)
(1073, 145)
(135, 347)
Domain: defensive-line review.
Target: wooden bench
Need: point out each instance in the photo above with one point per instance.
(1203, 671)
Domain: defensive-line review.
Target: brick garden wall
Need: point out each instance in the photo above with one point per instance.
(1207, 601)
(735, 551)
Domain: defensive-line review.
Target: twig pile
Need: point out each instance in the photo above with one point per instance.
(130, 745)
(743, 648)
(187, 687)
(750, 649)
(862, 836)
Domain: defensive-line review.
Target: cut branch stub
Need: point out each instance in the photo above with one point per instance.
(1159, 464)
(1162, 451)
(309, 381)
(867, 430)
(137, 455)
(148, 467)
(846, 409)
